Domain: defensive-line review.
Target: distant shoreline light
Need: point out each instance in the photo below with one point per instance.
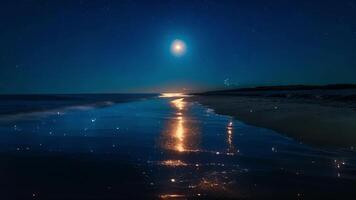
(171, 94)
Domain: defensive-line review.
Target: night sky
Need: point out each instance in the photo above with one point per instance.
(124, 46)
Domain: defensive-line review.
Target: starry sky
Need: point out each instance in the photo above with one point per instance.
(88, 46)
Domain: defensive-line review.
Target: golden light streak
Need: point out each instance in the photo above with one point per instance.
(179, 133)
(172, 94)
(176, 135)
(172, 196)
(179, 103)
(173, 163)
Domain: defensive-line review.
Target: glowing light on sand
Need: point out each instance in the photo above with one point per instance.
(212, 185)
(178, 47)
(171, 196)
(173, 163)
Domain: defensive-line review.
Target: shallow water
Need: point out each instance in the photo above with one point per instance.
(176, 149)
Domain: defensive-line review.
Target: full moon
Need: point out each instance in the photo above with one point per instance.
(178, 47)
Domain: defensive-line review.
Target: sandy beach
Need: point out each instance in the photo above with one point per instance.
(323, 124)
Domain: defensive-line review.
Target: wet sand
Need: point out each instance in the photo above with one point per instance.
(311, 123)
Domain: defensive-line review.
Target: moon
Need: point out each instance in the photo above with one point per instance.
(178, 47)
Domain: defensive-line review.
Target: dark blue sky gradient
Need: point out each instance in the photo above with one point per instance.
(123, 46)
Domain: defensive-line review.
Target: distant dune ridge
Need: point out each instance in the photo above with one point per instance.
(291, 87)
(336, 92)
(320, 115)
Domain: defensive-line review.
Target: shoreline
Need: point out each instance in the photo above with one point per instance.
(23, 105)
(310, 123)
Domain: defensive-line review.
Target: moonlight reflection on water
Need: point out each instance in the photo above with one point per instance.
(180, 134)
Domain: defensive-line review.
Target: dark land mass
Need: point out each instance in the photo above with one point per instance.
(338, 92)
(286, 87)
(320, 115)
